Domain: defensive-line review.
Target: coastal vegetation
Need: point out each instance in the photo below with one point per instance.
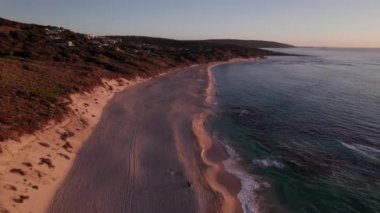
(40, 66)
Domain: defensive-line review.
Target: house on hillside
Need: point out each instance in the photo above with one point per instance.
(66, 44)
(70, 44)
(90, 36)
(53, 31)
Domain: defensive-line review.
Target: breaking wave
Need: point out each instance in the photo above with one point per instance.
(249, 185)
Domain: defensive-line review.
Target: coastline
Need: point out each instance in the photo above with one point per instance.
(149, 136)
(242, 198)
(33, 167)
(223, 174)
(41, 162)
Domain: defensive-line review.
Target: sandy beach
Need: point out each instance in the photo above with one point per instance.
(145, 154)
(34, 166)
(185, 107)
(140, 149)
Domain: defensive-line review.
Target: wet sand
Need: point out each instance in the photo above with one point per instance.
(150, 153)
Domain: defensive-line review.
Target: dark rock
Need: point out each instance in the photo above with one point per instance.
(189, 184)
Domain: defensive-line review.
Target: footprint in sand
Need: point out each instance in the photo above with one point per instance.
(27, 164)
(64, 156)
(21, 198)
(10, 187)
(47, 162)
(44, 144)
(18, 171)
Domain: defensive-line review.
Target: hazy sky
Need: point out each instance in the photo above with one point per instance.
(350, 23)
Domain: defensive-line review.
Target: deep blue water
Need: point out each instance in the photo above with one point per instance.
(309, 126)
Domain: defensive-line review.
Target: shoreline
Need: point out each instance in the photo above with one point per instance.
(228, 165)
(34, 167)
(149, 135)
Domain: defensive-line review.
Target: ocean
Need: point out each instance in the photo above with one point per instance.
(305, 129)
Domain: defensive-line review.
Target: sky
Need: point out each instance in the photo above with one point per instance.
(326, 23)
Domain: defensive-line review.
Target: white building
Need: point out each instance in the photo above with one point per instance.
(70, 44)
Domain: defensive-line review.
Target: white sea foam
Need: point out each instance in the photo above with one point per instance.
(249, 185)
(367, 151)
(244, 112)
(268, 162)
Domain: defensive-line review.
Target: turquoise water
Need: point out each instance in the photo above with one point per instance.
(308, 126)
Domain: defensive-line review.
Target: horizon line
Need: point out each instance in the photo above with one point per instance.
(171, 38)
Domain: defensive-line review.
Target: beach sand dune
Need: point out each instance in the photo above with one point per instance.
(144, 156)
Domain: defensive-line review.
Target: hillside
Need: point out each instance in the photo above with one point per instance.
(249, 43)
(211, 42)
(40, 66)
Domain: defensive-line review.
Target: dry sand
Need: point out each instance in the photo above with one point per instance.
(146, 151)
(33, 167)
(143, 156)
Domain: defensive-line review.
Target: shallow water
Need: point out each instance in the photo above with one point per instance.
(308, 126)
